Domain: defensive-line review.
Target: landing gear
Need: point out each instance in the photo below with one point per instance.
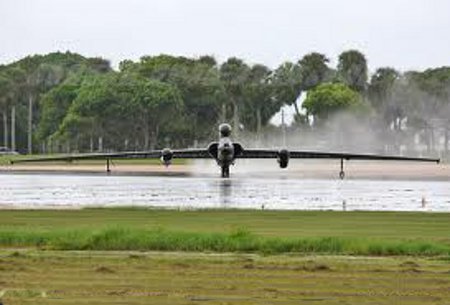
(109, 162)
(342, 173)
(225, 172)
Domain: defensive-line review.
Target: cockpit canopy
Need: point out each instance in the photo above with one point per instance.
(225, 130)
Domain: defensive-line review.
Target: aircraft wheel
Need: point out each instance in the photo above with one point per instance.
(342, 175)
(225, 172)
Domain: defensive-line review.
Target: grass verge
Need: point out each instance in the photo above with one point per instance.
(240, 240)
(269, 232)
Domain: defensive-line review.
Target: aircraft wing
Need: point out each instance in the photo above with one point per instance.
(181, 153)
(93, 156)
(267, 153)
(191, 153)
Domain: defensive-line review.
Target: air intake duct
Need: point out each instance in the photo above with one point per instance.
(166, 156)
(283, 158)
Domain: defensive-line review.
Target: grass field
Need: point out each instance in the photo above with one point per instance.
(37, 277)
(403, 258)
(269, 232)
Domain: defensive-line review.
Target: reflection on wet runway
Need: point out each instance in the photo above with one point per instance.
(56, 190)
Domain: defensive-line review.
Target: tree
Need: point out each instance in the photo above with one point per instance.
(55, 104)
(260, 104)
(17, 78)
(327, 99)
(11, 87)
(203, 94)
(117, 107)
(433, 81)
(208, 60)
(290, 80)
(43, 72)
(88, 113)
(157, 105)
(352, 69)
(234, 74)
(436, 84)
(199, 84)
(381, 85)
(99, 64)
(313, 70)
(164, 68)
(287, 85)
(42, 79)
(5, 86)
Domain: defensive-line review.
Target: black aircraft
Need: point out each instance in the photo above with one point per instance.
(225, 152)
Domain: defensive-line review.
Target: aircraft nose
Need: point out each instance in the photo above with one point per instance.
(225, 130)
(227, 149)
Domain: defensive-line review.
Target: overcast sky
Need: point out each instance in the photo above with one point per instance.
(406, 34)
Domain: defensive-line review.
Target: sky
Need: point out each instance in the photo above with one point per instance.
(408, 35)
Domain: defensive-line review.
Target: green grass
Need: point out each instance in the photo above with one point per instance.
(187, 264)
(268, 232)
(122, 238)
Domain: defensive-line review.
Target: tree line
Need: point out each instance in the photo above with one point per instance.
(65, 102)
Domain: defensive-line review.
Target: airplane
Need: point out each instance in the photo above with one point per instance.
(225, 152)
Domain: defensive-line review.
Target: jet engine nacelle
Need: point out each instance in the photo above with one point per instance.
(166, 156)
(283, 158)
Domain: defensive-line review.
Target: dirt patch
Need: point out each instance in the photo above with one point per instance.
(136, 256)
(412, 270)
(103, 269)
(308, 266)
(181, 265)
(409, 264)
(313, 266)
(17, 254)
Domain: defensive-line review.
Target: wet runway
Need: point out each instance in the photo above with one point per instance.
(242, 191)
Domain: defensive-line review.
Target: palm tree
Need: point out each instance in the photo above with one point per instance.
(352, 68)
(286, 80)
(313, 70)
(234, 74)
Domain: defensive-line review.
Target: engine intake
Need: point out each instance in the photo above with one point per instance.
(166, 156)
(283, 158)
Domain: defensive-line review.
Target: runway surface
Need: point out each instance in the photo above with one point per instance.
(51, 190)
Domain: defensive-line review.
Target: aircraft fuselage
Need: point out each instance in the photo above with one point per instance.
(225, 152)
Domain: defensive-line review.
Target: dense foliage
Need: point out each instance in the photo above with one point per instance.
(65, 102)
(328, 98)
